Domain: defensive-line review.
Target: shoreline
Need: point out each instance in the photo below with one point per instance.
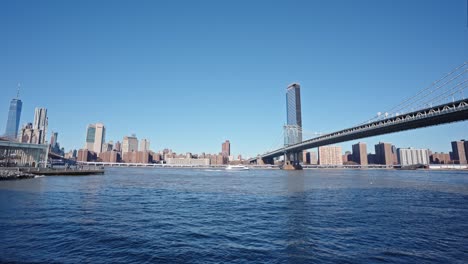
(12, 174)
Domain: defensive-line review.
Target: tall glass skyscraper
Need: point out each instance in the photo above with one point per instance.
(95, 137)
(14, 115)
(293, 127)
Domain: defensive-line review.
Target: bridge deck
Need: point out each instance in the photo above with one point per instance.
(431, 116)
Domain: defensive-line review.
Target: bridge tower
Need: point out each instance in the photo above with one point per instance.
(293, 127)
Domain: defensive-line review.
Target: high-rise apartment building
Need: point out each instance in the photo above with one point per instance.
(293, 127)
(305, 157)
(330, 155)
(410, 156)
(53, 139)
(95, 137)
(28, 134)
(14, 116)
(226, 149)
(130, 144)
(360, 153)
(40, 123)
(144, 145)
(313, 158)
(384, 154)
(459, 152)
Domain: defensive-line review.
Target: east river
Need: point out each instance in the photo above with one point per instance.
(141, 215)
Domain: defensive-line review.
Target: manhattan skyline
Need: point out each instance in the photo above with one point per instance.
(188, 83)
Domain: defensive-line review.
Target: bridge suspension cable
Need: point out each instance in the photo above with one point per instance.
(437, 92)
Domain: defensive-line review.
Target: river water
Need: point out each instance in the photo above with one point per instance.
(141, 215)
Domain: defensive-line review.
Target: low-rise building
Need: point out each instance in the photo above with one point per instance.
(188, 162)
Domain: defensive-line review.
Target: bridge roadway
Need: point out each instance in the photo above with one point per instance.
(431, 116)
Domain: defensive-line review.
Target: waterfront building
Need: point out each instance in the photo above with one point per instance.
(144, 157)
(347, 157)
(14, 116)
(110, 156)
(440, 158)
(156, 157)
(330, 155)
(305, 157)
(394, 155)
(459, 152)
(313, 158)
(86, 155)
(360, 153)
(168, 155)
(293, 127)
(188, 162)
(384, 153)
(144, 145)
(410, 156)
(129, 144)
(216, 159)
(226, 148)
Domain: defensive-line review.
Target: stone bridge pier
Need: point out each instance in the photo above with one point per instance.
(292, 161)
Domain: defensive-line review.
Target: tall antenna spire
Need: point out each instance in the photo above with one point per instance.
(18, 90)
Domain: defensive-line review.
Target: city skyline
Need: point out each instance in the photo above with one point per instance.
(183, 87)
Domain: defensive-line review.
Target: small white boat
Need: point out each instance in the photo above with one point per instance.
(237, 167)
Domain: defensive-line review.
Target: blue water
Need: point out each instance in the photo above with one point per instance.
(259, 216)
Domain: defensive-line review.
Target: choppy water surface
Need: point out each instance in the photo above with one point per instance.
(258, 216)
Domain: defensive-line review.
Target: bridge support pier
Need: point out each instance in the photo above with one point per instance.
(292, 161)
(265, 161)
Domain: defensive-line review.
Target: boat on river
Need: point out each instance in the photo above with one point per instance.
(237, 167)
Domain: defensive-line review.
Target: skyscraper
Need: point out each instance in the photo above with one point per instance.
(14, 115)
(144, 145)
(293, 127)
(41, 123)
(100, 137)
(118, 146)
(95, 137)
(360, 153)
(90, 135)
(129, 144)
(226, 149)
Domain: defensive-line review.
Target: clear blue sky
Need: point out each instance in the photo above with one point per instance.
(189, 74)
